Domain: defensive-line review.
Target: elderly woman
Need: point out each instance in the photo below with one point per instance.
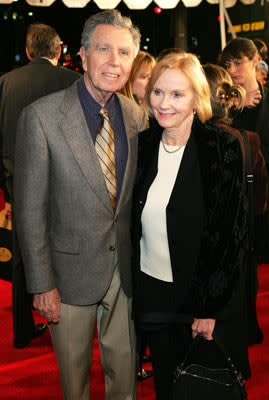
(189, 224)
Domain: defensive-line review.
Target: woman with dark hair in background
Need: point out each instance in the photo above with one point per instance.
(240, 58)
(224, 96)
(188, 225)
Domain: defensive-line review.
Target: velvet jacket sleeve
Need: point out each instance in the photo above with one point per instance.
(223, 241)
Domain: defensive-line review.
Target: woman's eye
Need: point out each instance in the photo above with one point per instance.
(177, 94)
(156, 92)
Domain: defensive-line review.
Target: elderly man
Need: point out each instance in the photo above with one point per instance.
(18, 88)
(73, 189)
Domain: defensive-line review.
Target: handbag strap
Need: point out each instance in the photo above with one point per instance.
(197, 340)
(230, 362)
(250, 189)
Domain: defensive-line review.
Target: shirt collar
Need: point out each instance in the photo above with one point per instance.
(93, 108)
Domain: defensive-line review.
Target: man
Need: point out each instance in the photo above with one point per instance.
(240, 58)
(73, 213)
(19, 88)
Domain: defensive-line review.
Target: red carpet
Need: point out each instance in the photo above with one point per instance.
(31, 373)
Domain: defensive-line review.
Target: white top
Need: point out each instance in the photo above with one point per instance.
(155, 256)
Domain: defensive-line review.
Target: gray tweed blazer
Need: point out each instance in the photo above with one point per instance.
(70, 238)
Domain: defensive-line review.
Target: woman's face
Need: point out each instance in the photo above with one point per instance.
(172, 99)
(141, 80)
(241, 70)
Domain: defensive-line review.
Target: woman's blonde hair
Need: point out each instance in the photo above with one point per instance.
(142, 59)
(190, 65)
(225, 95)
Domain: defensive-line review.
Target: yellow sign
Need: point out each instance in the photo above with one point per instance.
(249, 26)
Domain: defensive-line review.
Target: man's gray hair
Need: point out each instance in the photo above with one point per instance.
(114, 18)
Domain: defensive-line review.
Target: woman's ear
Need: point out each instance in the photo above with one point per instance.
(255, 60)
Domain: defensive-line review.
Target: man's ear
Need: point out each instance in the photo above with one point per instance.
(83, 57)
(59, 52)
(28, 54)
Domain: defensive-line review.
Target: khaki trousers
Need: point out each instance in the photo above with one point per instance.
(73, 344)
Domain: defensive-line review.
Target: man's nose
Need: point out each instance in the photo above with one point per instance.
(114, 57)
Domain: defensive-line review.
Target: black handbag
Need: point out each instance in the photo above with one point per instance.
(194, 380)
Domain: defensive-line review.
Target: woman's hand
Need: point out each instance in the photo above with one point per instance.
(253, 98)
(203, 327)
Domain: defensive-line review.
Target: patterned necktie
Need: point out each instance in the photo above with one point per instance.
(105, 150)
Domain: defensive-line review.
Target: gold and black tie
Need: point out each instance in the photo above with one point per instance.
(105, 150)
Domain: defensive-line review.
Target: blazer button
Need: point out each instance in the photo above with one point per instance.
(140, 202)
(112, 248)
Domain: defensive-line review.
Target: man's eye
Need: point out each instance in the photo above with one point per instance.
(103, 48)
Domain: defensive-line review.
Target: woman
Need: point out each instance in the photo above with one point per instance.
(227, 96)
(135, 88)
(223, 93)
(188, 223)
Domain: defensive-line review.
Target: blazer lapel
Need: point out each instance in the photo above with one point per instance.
(131, 129)
(77, 135)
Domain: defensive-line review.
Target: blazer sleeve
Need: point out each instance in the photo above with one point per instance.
(31, 191)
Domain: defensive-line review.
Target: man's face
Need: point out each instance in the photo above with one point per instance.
(242, 70)
(108, 62)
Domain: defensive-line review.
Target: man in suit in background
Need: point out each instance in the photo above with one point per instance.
(73, 192)
(19, 88)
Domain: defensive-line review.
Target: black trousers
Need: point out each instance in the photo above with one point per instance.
(168, 345)
(23, 321)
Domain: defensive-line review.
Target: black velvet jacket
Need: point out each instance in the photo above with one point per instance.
(206, 217)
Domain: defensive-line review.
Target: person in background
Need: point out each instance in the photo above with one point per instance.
(170, 50)
(188, 225)
(18, 88)
(262, 72)
(262, 68)
(223, 93)
(262, 48)
(73, 193)
(240, 58)
(135, 87)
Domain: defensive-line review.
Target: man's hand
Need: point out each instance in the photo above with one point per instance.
(49, 305)
(8, 209)
(203, 327)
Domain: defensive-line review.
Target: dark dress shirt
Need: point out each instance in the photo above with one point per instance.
(91, 111)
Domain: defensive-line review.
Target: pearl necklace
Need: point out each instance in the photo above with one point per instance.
(171, 151)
